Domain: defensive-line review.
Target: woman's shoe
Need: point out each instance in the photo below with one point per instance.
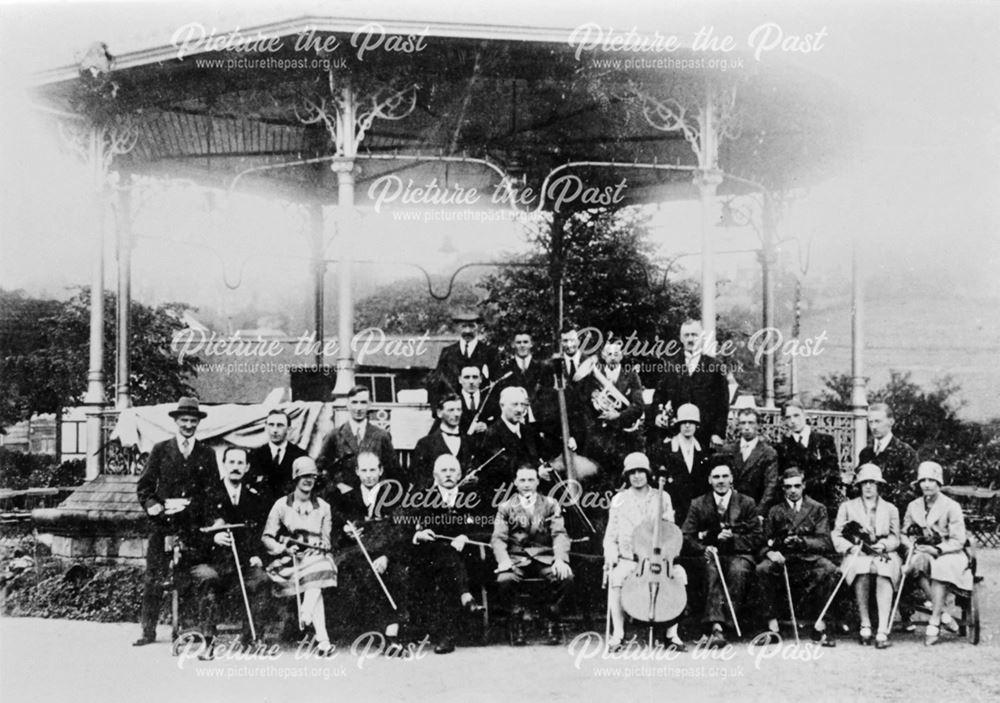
(882, 641)
(948, 623)
(931, 635)
(676, 645)
(865, 635)
(323, 649)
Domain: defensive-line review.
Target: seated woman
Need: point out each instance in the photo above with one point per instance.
(296, 521)
(934, 528)
(867, 533)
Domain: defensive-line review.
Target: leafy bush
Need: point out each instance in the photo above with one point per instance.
(111, 594)
(19, 471)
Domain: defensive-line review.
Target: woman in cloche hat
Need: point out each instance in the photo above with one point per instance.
(935, 528)
(868, 527)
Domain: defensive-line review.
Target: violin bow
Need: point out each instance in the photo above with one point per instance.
(481, 466)
(486, 397)
(378, 576)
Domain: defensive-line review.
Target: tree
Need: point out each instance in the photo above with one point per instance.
(929, 422)
(44, 360)
(406, 306)
(610, 283)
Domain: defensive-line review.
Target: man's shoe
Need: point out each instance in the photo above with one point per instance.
(822, 638)
(517, 635)
(209, 653)
(445, 646)
(716, 640)
(555, 634)
(675, 646)
(882, 641)
(144, 640)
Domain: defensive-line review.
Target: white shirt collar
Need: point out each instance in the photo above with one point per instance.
(794, 504)
(181, 440)
(356, 426)
(528, 502)
(613, 375)
(723, 500)
(744, 444)
(368, 494)
(881, 444)
(448, 495)
(516, 429)
(803, 437)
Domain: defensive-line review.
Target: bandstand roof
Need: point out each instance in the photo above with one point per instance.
(506, 87)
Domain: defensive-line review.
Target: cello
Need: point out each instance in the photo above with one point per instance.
(653, 593)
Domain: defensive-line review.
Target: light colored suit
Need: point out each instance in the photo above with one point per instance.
(944, 519)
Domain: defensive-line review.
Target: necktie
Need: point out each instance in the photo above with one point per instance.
(277, 455)
(746, 451)
(465, 349)
(186, 448)
(360, 435)
(721, 508)
(572, 368)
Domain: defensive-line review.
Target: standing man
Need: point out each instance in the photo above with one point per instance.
(724, 524)
(696, 378)
(896, 458)
(271, 464)
(479, 408)
(446, 438)
(470, 350)
(532, 375)
(797, 537)
(754, 463)
(617, 410)
(814, 453)
(338, 459)
(233, 502)
(172, 490)
(575, 369)
(530, 541)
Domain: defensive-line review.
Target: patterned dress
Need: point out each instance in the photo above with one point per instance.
(304, 521)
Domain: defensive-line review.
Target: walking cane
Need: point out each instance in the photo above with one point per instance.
(791, 606)
(902, 582)
(843, 577)
(239, 569)
(378, 576)
(725, 590)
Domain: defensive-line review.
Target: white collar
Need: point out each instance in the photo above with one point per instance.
(527, 502)
(724, 498)
(881, 444)
(357, 426)
(181, 440)
(796, 504)
(804, 435)
(677, 440)
(448, 495)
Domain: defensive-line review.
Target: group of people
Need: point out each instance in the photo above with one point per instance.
(475, 506)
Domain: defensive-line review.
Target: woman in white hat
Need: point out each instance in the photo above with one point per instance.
(934, 527)
(295, 520)
(866, 532)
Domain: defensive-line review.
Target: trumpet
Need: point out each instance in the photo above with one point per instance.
(608, 398)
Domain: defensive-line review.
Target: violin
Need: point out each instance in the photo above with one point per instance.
(652, 593)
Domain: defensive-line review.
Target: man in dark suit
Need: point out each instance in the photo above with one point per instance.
(439, 569)
(520, 442)
(367, 510)
(446, 438)
(574, 366)
(896, 458)
(338, 458)
(754, 463)
(615, 395)
(724, 524)
(479, 408)
(232, 502)
(271, 464)
(797, 538)
(470, 350)
(526, 371)
(172, 490)
(815, 454)
(682, 461)
(696, 378)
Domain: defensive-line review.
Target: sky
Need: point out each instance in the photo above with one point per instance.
(919, 198)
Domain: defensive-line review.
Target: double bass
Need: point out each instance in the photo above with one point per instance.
(653, 593)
